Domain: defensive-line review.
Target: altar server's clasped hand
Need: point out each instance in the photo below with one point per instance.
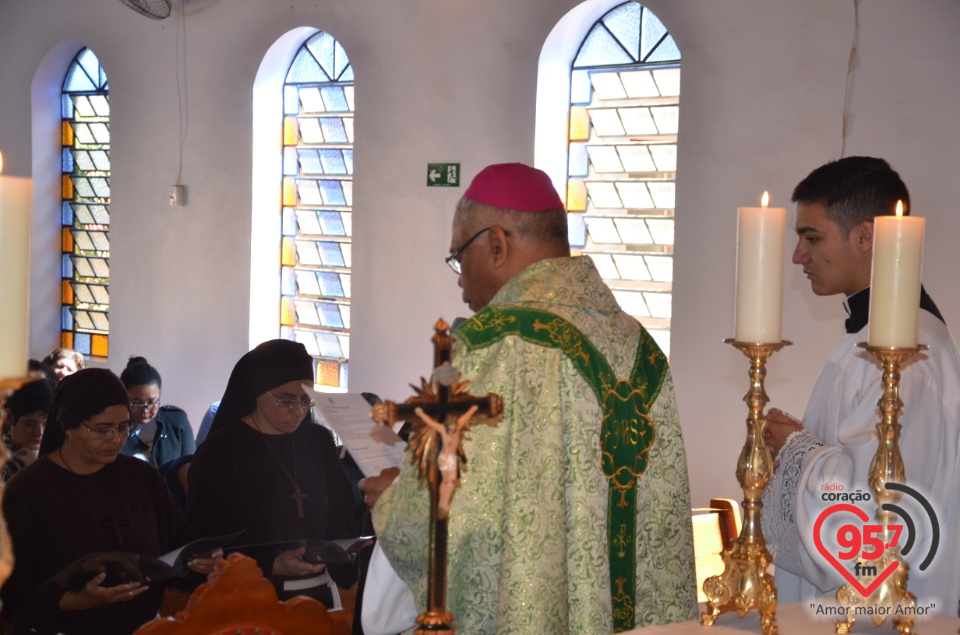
(780, 425)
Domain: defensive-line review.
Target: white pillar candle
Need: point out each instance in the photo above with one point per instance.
(895, 281)
(14, 267)
(759, 295)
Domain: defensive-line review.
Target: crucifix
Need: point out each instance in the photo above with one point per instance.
(297, 497)
(436, 448)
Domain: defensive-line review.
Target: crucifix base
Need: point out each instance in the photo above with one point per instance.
(435, 622)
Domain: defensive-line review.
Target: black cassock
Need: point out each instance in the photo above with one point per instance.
(243, 479)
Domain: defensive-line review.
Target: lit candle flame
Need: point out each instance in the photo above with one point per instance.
(1, 163)
(899, 209)
(764, 199)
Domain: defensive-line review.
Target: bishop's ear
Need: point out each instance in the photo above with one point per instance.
(499, 245)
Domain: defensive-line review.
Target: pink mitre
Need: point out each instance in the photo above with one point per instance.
(514, 186)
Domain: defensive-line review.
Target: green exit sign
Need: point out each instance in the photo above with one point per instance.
(443, 175)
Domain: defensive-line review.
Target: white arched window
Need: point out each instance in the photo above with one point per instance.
(85, 210)
(622, 159)
(317, 202)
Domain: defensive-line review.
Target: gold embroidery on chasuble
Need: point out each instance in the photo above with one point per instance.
(623, 608)
(627, 432)
(626, 437)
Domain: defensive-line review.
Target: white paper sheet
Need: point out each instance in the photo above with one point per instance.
(373, 446)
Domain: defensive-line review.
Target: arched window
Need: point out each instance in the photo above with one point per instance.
(622, 163)
(85, 211)
(317, 206)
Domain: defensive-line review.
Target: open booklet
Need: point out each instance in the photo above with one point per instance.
(122, 566)
(336, 551)
(373, 447)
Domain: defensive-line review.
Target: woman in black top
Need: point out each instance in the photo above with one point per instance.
(82, 497)
(161, 433)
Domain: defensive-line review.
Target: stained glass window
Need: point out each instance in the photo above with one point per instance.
(317, 206)
(622, 161)
(85, 210)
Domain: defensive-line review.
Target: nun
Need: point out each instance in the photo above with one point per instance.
(268, 469)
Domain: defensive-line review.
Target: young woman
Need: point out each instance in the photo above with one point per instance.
(160, 434)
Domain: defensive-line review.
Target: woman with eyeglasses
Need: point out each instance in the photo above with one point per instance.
(268, 469)
(80, 497)
(160, 434)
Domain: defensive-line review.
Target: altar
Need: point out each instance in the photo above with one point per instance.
(798, 619)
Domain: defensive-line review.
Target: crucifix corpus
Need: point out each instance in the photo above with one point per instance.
(441, 412)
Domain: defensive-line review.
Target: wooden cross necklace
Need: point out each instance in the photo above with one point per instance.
(298, 494)
(112, 522)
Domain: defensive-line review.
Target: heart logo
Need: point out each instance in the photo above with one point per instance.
(862, 515)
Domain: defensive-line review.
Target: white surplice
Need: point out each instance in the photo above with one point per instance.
(836, 448)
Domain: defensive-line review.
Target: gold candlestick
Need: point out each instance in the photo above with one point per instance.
(886, 467)
(745, 583)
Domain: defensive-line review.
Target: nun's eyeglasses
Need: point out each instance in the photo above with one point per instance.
(102, 432)
(291, 403)
(150, 405)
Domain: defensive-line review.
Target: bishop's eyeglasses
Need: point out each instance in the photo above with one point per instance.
(453, 260)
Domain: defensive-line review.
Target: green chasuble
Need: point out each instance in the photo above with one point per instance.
(573, 515)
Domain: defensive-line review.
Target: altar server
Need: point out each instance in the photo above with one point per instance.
(831, 449)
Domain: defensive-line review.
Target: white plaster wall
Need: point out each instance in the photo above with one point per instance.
(448, 80)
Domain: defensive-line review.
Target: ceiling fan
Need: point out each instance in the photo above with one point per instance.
(156, 9)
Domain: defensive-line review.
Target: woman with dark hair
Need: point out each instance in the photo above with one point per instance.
(160, 434)
(81, 496)
(268, 469)
(26, 417)
(39, 370)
